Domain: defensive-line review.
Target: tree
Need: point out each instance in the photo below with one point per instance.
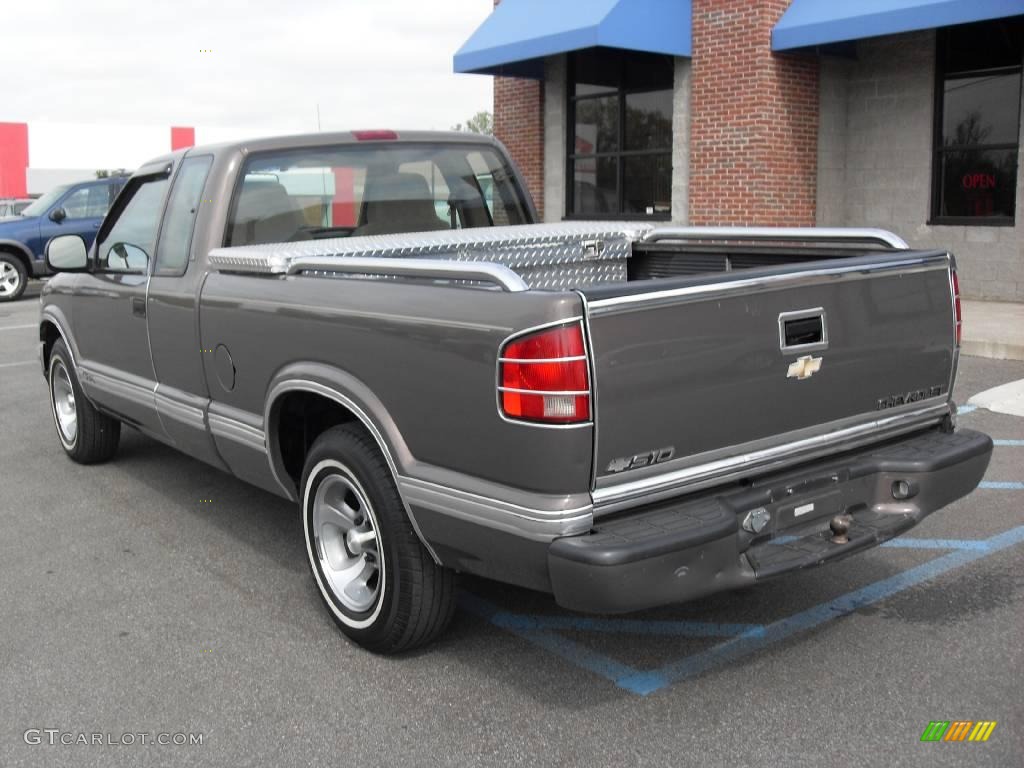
(105, 174)
(481, 122)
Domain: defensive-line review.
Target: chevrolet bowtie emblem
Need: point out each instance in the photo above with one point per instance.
(804, 367)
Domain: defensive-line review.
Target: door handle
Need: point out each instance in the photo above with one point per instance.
(138, 306)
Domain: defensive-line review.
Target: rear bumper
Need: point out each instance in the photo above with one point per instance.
(678, 551)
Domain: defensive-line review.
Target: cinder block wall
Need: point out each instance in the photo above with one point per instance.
(555, 136)
(754, 123)
(875, 162)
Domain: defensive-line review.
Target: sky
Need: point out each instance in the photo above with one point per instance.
(251, 65)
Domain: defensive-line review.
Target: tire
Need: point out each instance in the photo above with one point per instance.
(87, 436)
(13, 277)
(378, 582)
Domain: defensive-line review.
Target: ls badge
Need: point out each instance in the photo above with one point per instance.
(804, 367)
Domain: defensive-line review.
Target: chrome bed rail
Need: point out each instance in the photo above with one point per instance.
(777, 234)
(430, 269)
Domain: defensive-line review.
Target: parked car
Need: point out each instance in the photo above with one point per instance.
(70, 209)
(13, 206)
(622, 415)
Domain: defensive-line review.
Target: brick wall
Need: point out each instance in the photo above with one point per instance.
(519, 125)
(753, 132)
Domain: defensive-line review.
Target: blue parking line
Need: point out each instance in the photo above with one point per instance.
(746, 638)
(1009, 442)
(1001, 486)
(571, 651)
(963, 410)
(737, 648)
(909, 543)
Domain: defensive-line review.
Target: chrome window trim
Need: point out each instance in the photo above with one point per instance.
(655, 487)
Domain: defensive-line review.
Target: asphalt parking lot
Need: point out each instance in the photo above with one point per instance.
(129, 605)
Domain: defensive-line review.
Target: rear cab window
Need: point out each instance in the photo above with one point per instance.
(356, 190)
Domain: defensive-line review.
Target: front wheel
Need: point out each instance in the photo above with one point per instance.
(379, 583)
(13, 277)
(86, 435)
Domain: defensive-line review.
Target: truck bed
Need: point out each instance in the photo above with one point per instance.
(694, 335)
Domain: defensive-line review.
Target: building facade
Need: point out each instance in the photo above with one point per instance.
(899, 114)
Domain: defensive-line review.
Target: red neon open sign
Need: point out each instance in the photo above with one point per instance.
(978, 181)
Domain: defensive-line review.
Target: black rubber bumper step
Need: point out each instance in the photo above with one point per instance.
(809, 547)
(658, 531)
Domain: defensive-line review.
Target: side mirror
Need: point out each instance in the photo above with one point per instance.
(125, 257)
(67, 253)
(57, 215)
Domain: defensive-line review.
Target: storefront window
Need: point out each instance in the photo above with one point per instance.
(620, 142)
(977, 130)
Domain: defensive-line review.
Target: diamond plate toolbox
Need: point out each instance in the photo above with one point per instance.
(547, 256)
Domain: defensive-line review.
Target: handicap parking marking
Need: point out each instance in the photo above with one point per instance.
(963, 410)
(742, 640)
(1014, 443)
(1001, 485)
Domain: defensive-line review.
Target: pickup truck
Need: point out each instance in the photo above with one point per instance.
(70, 209)
(373, 326)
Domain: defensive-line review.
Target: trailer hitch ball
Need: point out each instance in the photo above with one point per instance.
(840, 527)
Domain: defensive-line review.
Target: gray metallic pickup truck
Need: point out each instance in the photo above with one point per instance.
(623, 415)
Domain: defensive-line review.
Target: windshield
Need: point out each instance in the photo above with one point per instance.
(353, 190)
(42, 205)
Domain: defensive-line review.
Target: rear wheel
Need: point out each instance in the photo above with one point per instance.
(86, 435)
(13, 276)
(377, 580)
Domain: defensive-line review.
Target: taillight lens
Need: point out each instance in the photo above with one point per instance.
(957, 317)
(543, 377)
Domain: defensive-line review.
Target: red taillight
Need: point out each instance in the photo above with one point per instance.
(543, 377)
(377, 135)
(957, 317)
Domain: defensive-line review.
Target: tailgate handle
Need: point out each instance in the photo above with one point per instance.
(803, 330)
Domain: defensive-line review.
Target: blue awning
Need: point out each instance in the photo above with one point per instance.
(517, 36)
(817, 22)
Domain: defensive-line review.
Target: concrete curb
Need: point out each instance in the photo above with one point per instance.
(995, 350)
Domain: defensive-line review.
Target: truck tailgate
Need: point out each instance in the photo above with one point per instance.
(699, 379)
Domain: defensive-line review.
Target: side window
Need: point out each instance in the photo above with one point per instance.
(88, 202)
(186, 197)
(127, 245)
(75, 204)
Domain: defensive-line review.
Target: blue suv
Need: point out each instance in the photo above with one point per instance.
(71, 209)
